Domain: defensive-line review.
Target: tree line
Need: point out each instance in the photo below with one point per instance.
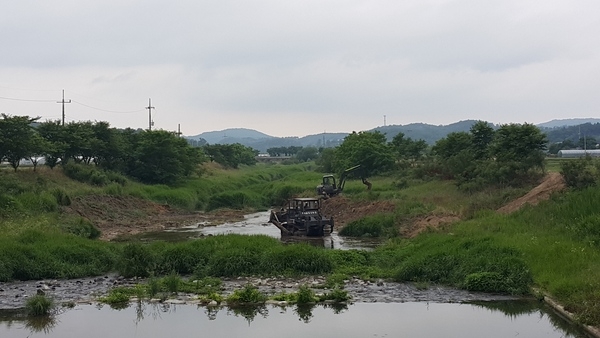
(510, 155)
(156, 156)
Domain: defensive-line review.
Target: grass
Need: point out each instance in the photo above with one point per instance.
(39, 305)
(555, 245)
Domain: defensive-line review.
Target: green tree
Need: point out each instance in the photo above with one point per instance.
(518, 151)
(53, 134)
(455, 154)
(307, 154)
(326, 159)
(16, 138)
(80, 140)
(406, 148)
(108, 146)
(231, 155)
(369, 149)
(162, 157)
(482, 135)
(37, 149)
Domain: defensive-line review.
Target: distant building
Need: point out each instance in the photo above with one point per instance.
(578, 153)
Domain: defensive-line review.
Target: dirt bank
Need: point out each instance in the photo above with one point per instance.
(550, 184)
(127, 215)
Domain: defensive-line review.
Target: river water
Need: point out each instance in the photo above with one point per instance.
(385, 317)
(256, 224)
(418, 319)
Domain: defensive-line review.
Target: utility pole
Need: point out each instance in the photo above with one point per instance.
(150, 123)
(63, 106)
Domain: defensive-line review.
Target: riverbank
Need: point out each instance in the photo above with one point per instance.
(13, 295)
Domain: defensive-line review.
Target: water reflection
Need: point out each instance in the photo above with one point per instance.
(486, 319)
(514, 309)
(43, 324)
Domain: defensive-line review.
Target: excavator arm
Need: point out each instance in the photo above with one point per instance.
(329, 188)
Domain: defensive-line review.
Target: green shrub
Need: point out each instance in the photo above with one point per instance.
(281, 194)
(371, 226)
(337, 295)
(235, 262)
(39, 305)
(234, 200)
(296, 259)
(11, 185)
(450, 261)
(92, 175)
(172, 282)
(305, 295)
(116, 296)
(113, 189)
(580, 173)
(485, 282)
(137, 261)
(38, 202)
(153, 287)
(81, 227)
(61, 196)
(181, 258)
(9, 205)
(248, 295)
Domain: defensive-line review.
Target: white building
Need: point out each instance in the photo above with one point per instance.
(579, 153)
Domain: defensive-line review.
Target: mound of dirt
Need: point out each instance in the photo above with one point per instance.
(128, 215)
(344, 211)
(430, 222)
(551, 183)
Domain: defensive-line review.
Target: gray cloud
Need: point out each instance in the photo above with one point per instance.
(341, 64)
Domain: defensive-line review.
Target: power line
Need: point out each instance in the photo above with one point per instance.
(109, 111)
(26, 100)
(33, 90)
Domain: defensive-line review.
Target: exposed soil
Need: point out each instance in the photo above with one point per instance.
(345, 211)
(127, 215)
(551, 183)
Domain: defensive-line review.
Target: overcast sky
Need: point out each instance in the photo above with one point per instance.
(293, 68)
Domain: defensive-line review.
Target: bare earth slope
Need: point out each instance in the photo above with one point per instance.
(128, 215)
(551, 183)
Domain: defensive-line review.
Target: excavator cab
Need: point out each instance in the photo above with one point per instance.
(329, 188)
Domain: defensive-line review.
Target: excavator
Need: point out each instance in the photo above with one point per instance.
(329, 188)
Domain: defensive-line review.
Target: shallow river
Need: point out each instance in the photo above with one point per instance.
(421, 319)
(402, 317)
(256, 224)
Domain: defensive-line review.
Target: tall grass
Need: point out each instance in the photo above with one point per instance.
(379, 225)
(39, 305)
(34, 254)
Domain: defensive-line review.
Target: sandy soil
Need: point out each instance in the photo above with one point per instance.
(126, 215)
(551, 183)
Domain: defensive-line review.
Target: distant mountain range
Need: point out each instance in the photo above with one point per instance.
(557, 130)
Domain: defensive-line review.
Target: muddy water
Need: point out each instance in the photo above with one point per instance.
(256, 224)
(492, 320)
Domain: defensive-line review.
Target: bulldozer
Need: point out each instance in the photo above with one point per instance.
(329, 188)
(302, 217)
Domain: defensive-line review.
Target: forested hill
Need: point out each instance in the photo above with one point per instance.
(573, 133)
(556, 130)
(259, 141)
